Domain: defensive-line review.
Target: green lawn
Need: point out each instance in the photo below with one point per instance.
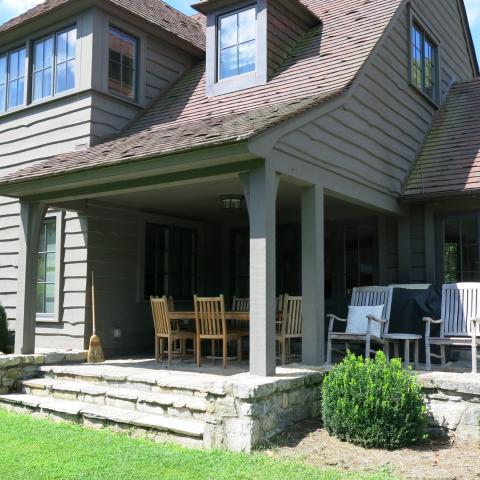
(33, 449)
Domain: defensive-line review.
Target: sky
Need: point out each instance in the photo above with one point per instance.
(11, 8)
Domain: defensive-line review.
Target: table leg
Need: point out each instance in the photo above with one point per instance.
(386, 350)
(396, 349)
(417, 355)
(407, 353)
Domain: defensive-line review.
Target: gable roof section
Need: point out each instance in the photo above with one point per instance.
(156, 12)
(323, 64)
(449, 162)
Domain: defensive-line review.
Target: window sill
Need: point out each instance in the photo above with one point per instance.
(234, 84)
(46, 318)
(432, 102)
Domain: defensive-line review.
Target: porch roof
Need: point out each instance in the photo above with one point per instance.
(323, 64)
(156, 12)
(449, 162)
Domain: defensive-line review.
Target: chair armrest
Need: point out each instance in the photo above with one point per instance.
(332, 319)
(376, 319)
(431, 320)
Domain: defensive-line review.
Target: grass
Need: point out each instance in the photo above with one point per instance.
(36, 449)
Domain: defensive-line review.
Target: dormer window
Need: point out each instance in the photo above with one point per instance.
(12, 79)
(237, 43)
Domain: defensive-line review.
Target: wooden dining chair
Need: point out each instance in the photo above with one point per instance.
(211, 324)
(166, 329)
(240, 304)
(289, 325)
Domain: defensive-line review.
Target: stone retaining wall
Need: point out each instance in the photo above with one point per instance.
(453, 402)
(16, 367)
(247, 416)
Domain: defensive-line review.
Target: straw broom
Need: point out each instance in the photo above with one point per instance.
(95, 352)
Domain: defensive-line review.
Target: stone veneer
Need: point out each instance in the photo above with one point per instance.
(453, 402)
(16, 367)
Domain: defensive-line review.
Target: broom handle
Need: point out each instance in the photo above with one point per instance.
(93, 304)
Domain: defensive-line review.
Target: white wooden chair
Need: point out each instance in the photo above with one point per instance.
(289, 325)
(459, 322)
(367, 297)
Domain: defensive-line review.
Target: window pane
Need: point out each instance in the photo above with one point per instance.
(38, 85)
(62, 47)
(228, 62)
(47, 82)
(127, 81)
(50, 268)
(70, 74)
(3, 91)
(41, 298)
(51, 235)
(13, 65)
(38, 56)
(49, 298)
(12, 94)
(61, 77)
(41, 267)
(48, 52)
(246, 25)
(246, 57)
(21, 62)
(228, 31)
(72, 44)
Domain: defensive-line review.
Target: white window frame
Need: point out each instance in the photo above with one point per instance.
(56, 316)
(216, 86)
(427, 33)
(7, 54)
(54, 37)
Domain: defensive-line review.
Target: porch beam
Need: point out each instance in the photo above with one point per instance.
(31, 217)
(261, 186)
(313, 276)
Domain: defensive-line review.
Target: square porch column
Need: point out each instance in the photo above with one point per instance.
(313, 276)
(31, 217)
(261, 188)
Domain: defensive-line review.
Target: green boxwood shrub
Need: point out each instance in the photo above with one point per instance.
(373, 403)
(3, 329)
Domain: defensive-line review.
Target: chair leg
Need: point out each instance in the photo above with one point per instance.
(161, 349)
(428, 359)
(239, 349)
(170, 351)
(199, 352)
(213, 352)
(283, 346)
(157, 356)
(224, 353)
(443, 356)
(474, 353)
(367, 347)
(329, 351)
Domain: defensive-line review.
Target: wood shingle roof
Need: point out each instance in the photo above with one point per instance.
(449, 162)
(323, 64)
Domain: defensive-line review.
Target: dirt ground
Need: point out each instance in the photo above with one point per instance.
(435, 460)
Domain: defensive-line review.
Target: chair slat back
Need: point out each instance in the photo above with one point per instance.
(372, 296)
(160, 311)
(460, 305)
(210, 316)
(292, 321)
(240, 304)
(280, 300)
(171, 304)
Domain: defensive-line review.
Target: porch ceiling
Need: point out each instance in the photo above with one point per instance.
(201, 201)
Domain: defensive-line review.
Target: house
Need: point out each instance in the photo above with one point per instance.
(132, 135)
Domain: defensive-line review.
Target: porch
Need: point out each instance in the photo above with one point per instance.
(175, 238)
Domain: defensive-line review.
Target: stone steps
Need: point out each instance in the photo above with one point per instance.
(187, 431)
(167, 404)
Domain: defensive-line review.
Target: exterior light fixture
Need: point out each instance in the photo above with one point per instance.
(233, 202)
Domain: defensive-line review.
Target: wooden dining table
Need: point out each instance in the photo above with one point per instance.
(187, 315)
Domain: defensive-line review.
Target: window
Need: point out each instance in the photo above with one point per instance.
(237, 43)
(424, 62)
(461, 249)
(54, 64)
(170, 262)
(122, 59)
(12, 79)
(46, 273)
